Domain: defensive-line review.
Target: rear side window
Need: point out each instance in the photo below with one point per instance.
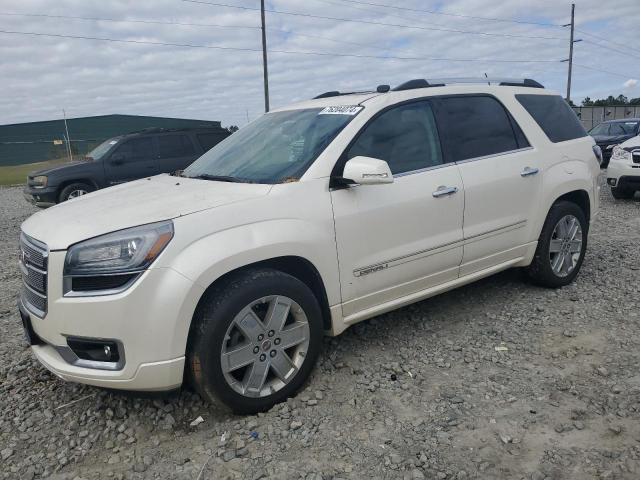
(405, 137)
(209, 140)
(472, 127)
(171, 146)
(556, 119)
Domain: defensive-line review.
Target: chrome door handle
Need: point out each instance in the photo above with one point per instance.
(528, 171)
(442, 191)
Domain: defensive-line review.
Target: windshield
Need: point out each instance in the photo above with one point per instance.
(623, 128)
(278, 147)
(101, 149)
(602, 129)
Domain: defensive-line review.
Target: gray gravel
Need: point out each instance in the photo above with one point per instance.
(499, 379)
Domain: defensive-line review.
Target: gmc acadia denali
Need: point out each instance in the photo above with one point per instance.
(310, 219)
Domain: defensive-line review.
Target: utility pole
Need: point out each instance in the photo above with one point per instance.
(64, 114)
(264, 59)
(571, 42)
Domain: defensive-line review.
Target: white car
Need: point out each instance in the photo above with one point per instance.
(623, 172)
(310, 219)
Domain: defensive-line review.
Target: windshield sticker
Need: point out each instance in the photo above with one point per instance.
(630, 123)
(341, 110)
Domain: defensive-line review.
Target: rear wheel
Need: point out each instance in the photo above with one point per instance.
(255, 340)
(622, 193)
(561, 246)
(74, 190)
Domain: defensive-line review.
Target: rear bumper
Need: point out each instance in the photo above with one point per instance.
(41, 197)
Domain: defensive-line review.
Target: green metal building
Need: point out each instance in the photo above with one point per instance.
(23, 143)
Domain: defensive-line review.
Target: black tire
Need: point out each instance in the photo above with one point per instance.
(621, 193)
(214, 317)
(68, 191)
(540, 271)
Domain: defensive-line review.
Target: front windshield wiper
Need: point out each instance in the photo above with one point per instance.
(218, 178)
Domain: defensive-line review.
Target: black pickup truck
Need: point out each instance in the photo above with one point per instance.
(121, 159)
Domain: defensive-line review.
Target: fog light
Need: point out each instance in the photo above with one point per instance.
(612, 181)
(94, 350)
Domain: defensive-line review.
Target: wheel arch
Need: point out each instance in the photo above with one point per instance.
(66, 183)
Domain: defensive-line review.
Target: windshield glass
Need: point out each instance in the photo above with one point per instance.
(101, 149)
(278, 147)
(602, 129)
(623, 128)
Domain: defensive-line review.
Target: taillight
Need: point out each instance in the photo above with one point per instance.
(597, 151)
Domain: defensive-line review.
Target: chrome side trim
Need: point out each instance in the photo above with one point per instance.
(394, 262)
(509, 152)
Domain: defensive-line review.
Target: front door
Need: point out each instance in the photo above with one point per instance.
(397, 239)
(134, 158)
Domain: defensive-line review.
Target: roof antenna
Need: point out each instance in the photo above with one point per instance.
(487, 76)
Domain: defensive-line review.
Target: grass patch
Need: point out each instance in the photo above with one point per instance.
(17, 174)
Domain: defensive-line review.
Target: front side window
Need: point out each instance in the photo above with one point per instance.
(556, 119)
(278, 147)
(98, 152)
(473, 127)
(172, 146)
(602, 129)
(405, 137)
(135, 150)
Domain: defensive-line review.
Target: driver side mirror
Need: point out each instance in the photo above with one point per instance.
(117, 159)
(367, 171)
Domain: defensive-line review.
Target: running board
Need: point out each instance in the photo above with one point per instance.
(426, 293)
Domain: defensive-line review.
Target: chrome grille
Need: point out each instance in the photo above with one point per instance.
(33, 264)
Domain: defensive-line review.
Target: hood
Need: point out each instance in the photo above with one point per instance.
(632, 142)
(608, 139)
(63, 166)
(136, 203)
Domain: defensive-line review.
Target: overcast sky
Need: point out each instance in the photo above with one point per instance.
(39, 76)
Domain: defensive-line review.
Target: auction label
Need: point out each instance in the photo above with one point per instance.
(341, 110)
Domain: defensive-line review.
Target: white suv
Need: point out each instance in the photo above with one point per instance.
(310, 219)
(623, 171)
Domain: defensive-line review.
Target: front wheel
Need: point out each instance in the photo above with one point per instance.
(255, 340)
(74, 190)
(621, 193)
(561, 246)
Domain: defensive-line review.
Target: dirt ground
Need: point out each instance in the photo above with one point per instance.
(496, 380)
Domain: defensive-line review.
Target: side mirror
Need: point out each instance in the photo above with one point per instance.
(117, 159)
(367, 171)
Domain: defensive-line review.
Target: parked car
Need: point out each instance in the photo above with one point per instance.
(310, 219)
(623, 174)
(613, 132)
(121, 159)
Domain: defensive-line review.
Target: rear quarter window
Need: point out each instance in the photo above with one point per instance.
(556, 119)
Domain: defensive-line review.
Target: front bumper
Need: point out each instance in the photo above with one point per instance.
(41, 197)
(150, 321)
(623, 171)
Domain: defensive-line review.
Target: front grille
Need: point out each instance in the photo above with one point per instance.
(33, 264)
(635, 154)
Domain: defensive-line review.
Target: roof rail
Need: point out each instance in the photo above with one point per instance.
(335, 93)
(440, 82)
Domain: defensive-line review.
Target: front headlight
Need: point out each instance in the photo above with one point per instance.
(122, 252)
(620, 154)
(40, 181)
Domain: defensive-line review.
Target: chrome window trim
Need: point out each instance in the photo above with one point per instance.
(420, 170)
(508, 152)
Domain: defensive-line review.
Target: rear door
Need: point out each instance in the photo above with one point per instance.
(501, 176)
(132, 159)
(176, 151)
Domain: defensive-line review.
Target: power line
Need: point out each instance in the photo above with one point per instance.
(433, 12)
(603, 71)
(187, 24)
(611, 48)
(369, 22)
(290, 52)
(607, 40)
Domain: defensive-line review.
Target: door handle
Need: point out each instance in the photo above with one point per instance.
(528, 171)
(442, 191)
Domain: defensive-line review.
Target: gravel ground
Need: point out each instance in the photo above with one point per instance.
(499, 379)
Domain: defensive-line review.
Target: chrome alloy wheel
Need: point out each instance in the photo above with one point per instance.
(265, 346)
(566, 246)
(76, 193)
